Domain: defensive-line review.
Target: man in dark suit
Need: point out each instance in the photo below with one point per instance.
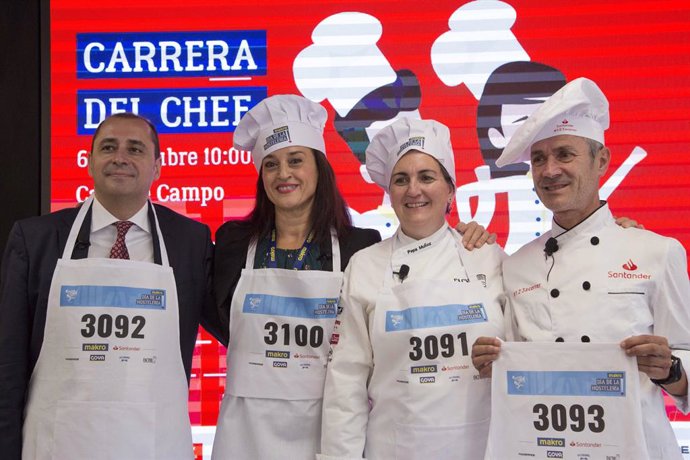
(101, 331)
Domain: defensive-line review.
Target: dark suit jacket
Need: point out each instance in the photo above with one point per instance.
(232, 244)
(32, 251)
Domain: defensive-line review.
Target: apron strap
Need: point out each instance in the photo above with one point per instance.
(460, 249)
(335, 251)
(81, 247)
(155, 239)
(77, 231)
(160, 253)
(79, 238)
(251, 252)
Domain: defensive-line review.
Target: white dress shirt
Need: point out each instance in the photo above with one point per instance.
(103, 233)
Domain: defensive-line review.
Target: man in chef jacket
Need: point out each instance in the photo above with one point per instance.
(99, 310)
(588, 280)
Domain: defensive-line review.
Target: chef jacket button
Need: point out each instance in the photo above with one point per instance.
(560, 339)
(586, 285)
(594, 241)
(585, 338)
(555, 293)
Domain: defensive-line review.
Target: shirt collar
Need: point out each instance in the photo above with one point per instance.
(592, 224)
(101, 217)
(402, 240)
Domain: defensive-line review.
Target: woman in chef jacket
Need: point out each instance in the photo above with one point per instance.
(400, 383)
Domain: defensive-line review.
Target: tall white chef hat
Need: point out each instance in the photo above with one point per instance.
(403, 135)
(281, 121)
(579, 108)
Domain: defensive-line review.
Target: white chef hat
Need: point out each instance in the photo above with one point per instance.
(579, 108)
(281, 121)
(403, 135)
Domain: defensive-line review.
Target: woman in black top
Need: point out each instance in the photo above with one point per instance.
(277, 338)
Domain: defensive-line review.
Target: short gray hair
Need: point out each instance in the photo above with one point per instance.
(594, 146)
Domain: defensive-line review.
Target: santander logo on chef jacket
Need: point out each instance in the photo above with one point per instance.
(629, 266)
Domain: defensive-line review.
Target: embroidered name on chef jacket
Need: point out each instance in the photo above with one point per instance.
(421, 247)
(294, 307)
(435, 316)
(112, 296)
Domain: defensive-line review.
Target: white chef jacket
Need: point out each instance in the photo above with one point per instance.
(346, 403)
(603, 284)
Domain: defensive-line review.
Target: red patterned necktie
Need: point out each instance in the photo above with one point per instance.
(119, 249)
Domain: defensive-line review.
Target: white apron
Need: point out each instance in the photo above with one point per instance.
(280, 325)
(109, 383)
(565, 400)
(427, 399)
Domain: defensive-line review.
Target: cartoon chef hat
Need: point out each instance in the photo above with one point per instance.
(281, 121)
(403, 135)
(578, 108)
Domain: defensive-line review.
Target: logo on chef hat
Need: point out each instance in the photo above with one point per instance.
(417, 141)
(279, 135)
(565, 127)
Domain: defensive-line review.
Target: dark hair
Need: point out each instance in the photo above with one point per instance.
(449, 181)
(512, 83)
(328, 210)
(132, 116)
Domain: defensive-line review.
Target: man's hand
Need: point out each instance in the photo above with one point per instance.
(485, 351)
(652, 352)
(654, 359)
(474, 235)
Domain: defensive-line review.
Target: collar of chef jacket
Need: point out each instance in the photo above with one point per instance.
(592, 224)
